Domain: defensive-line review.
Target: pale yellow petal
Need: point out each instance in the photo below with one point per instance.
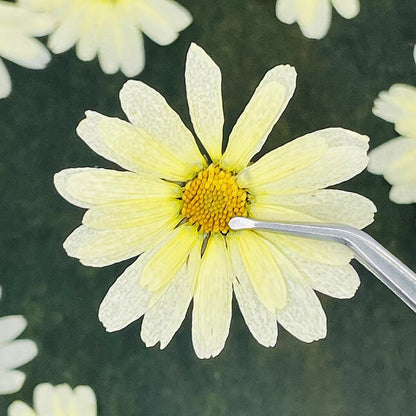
(161, 20)
(327, 205)
(258, 118)
(326, 252)
(303, 315)
(211, 315)
(67, 32)
(150, 112)
(286, 11)
(403, 169)
(85, 401)
(5, 81)
(98, 248)
(131, 214)
(403, 194)
(337, 281)
(314, 17)
(126, 300)
(122, 142)
(347, 8)
(86, 187)
(259, 259)
(161, 322)
(18, 408)
(260, 321)
(43, 399)
(398, 105)
(345, 157)
(168, 257)
(383, 156)
(203, 91)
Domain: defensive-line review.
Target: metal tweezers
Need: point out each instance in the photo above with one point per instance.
(371, 254)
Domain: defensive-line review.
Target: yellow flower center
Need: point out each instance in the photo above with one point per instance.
(212, 198)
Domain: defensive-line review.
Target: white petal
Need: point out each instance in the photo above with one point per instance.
(11, 381)
(403, 194)
(303, 315)
(86, 187)
(337, 281)
(5, 81)
(258, 118)
(314, 17)
(17, 353)
(162, 20)
(24, 50)
(383, 156)
(149, 111)
(327, 205)
(280, 171)
(18, 408)
(347, 8)
(11, 327)
(162, 321)
(286, 11)
(43, 399)
(85, 401)
(260, 321)
(203, 90)
(132, 56)
(211, 315)
(108, 51)
(67, 33)
(402, 170)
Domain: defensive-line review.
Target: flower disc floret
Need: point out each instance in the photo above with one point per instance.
(212, 198)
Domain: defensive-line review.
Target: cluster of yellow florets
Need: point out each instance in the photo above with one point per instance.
(212, 198)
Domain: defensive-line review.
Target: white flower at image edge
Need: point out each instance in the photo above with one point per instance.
(58, 400)
(13, 353)
(314, 16)
(396, 159)
(18, 28)
(112, 29)
(172, 206)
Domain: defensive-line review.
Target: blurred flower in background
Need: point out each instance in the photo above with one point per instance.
(314, 16)
(18, 28)
(58, 400)
(112, 29)
(396, 159)
(174, 206)
(13, 353)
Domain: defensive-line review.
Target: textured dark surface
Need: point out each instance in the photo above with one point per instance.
(365, 366)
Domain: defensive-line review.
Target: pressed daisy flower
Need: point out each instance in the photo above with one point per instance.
(112, 29)
(13, 353)
(396, 159)
(18, 27)
(172, 207)
(314, 16)
(58, 400)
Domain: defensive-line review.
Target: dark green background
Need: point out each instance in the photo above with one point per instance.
(365, 366)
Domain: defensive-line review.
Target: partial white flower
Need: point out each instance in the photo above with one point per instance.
(396, 159)
(58, 400)
(314, 16)
(18, 28)
(13, 353)
(112, 29)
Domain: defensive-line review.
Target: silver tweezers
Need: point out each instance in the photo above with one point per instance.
(386, 267)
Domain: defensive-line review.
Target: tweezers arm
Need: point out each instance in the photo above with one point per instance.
(386, 267)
